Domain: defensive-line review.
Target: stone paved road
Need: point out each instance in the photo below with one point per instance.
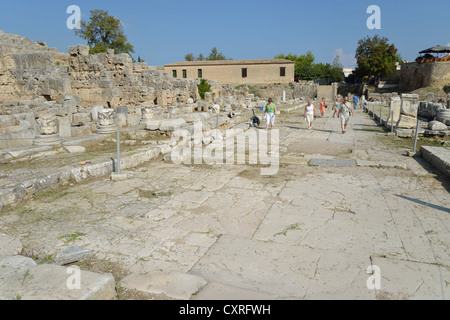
(308, 232)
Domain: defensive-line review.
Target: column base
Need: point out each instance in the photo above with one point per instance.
(50, 140)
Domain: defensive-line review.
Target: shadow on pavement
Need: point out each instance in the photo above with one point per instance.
(427, 204)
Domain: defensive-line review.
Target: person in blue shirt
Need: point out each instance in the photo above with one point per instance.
(355, 101)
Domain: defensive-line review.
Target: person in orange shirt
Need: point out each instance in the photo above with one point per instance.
(323, 106)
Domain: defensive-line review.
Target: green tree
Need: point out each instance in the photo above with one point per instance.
(375, 57)
(303, 64)
(214, 55)
(104, 32)
(306, 69)
(189, 57)
(200, 57)
(203, 87)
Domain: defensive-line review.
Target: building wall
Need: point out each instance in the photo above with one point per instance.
(414, 76)
(232, 74)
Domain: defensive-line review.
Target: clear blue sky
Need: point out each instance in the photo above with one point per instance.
(163, 31)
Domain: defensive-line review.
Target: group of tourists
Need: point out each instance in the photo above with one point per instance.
(343, 111)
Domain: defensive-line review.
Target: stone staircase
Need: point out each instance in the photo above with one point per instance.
(327, 92)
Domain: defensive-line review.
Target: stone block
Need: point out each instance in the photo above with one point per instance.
(133, 119)
(152, 124)
(171, 124)
(16, 139)
(70, 106)
(395, 107)
(404, 133)
(80, 131)
(16, 262)
(437, 126)
(121, 120)
(53, 282)
(186, 109)
(176, 285)
(95, 110)
(123, 110)
(410, 104)
(81, 118)
(79, 50)
(75, 149)
(8, 121)
(147, 113)
(407, 122)
(64, 128)
(118, 177)
(173, 110)
(72, 254)
(439, 157)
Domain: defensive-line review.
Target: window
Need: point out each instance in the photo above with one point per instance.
(244, 72)
(283, 72)
(174, 73)
(200, 73)
(184, 74)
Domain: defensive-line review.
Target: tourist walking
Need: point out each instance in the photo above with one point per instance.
(269, 113)
(355, 101)
(323, 106)
(310, 114)
(336, 108)
(344, 114)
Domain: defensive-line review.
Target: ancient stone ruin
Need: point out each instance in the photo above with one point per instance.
(46, 95)
(404, 112)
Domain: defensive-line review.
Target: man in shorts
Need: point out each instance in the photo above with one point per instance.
(344, 114)
(355, 101)
(269, 113)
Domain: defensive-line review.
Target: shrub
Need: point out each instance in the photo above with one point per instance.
(203, 87)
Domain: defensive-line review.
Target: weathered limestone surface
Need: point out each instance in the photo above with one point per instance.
(22, 279)
(37, 81)
(438, 157)
(72, 254)
(436, 125)
(395, 108)
(10, 245)
(409, 111)
(300, 234)
(177, 285)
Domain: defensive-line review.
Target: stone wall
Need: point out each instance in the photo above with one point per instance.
(29, 70)
(36, 81)
(414, 76)
(114, 80)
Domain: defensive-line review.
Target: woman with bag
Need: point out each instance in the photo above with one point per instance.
(336, 108)
(344, 114)
(310, 114)
(323, 106)
(269, 113)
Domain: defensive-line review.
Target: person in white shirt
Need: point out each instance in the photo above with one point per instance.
(310, 114)
(344, 114)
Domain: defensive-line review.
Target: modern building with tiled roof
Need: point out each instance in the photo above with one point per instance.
(265, 71)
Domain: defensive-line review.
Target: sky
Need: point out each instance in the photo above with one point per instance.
(164, 31)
